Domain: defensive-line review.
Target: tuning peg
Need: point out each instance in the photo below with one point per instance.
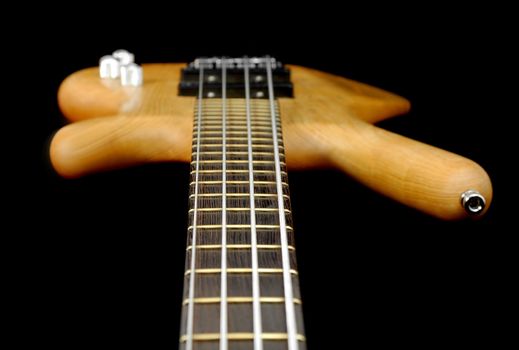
(131, 75)
(124, 57)
(109, 67)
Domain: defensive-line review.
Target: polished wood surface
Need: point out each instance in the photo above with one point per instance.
(327, 124)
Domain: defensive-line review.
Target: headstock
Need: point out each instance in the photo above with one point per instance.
(327, 123)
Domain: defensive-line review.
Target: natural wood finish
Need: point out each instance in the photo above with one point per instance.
(326, 124)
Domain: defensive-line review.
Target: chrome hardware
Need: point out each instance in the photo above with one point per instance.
(121, 65)
(124, 57)
(131, 75)
(252, 62)
(109, 67)
(473, 202)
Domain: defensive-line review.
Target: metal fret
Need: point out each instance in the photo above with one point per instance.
(236, 226)
(234, 138)
(240, 336)
(237, 195)
(238, 209)
(237, 300)
(242, 128)
(237, 172)
(237, 182)
(270, 162)
(237, 145)
(232, 153)
(239, 270)
(239, 246)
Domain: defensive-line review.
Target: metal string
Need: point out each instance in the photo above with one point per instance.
(256, 306)
(287, 278)
(190, 307)
(223, 283)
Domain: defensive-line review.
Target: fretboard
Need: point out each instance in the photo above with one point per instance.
(241, 286)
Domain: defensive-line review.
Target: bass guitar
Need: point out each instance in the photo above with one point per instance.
(241, 122)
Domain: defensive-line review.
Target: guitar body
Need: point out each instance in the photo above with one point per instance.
(241, 123)
(328, 123)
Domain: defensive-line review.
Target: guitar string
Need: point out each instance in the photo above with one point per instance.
(256, 306)
(287, 278)
(223, 283)
(190, 307)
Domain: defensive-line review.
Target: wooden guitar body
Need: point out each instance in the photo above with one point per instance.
(328, 123)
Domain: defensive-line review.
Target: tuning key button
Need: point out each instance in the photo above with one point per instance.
(109, 67)
(131, 75)
(124, 57)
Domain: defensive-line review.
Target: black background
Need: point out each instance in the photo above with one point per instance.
(105, 263)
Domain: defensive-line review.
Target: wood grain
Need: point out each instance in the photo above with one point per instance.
(327, 124)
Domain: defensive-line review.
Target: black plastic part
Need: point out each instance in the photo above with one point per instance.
(189, 83)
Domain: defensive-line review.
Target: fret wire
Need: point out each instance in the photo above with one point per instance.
(240, 246)
(232, 133)
(237, 104)
(237, 114)
(234, 153)
(239, 209)
(210, 123)
(190, 312)
(239, 226)
(242, 270)
(254, 128)
(235, 138)
(214, 101)
(233, 110)
(236, 182)
(257, 320)
(287, 279)
(258, 108)
(237, 145)
(238, 300)
(223, 279)
(240, 336)
(237, 195)
(238, 162)
(218, 117)
(217, 120)
(237, 171)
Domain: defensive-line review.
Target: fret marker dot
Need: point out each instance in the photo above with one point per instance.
(211, 78)
(260, 94)
(211, 94)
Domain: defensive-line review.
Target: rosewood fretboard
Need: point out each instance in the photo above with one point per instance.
(241, 286)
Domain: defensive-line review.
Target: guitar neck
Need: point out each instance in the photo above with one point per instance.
(241, 287)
